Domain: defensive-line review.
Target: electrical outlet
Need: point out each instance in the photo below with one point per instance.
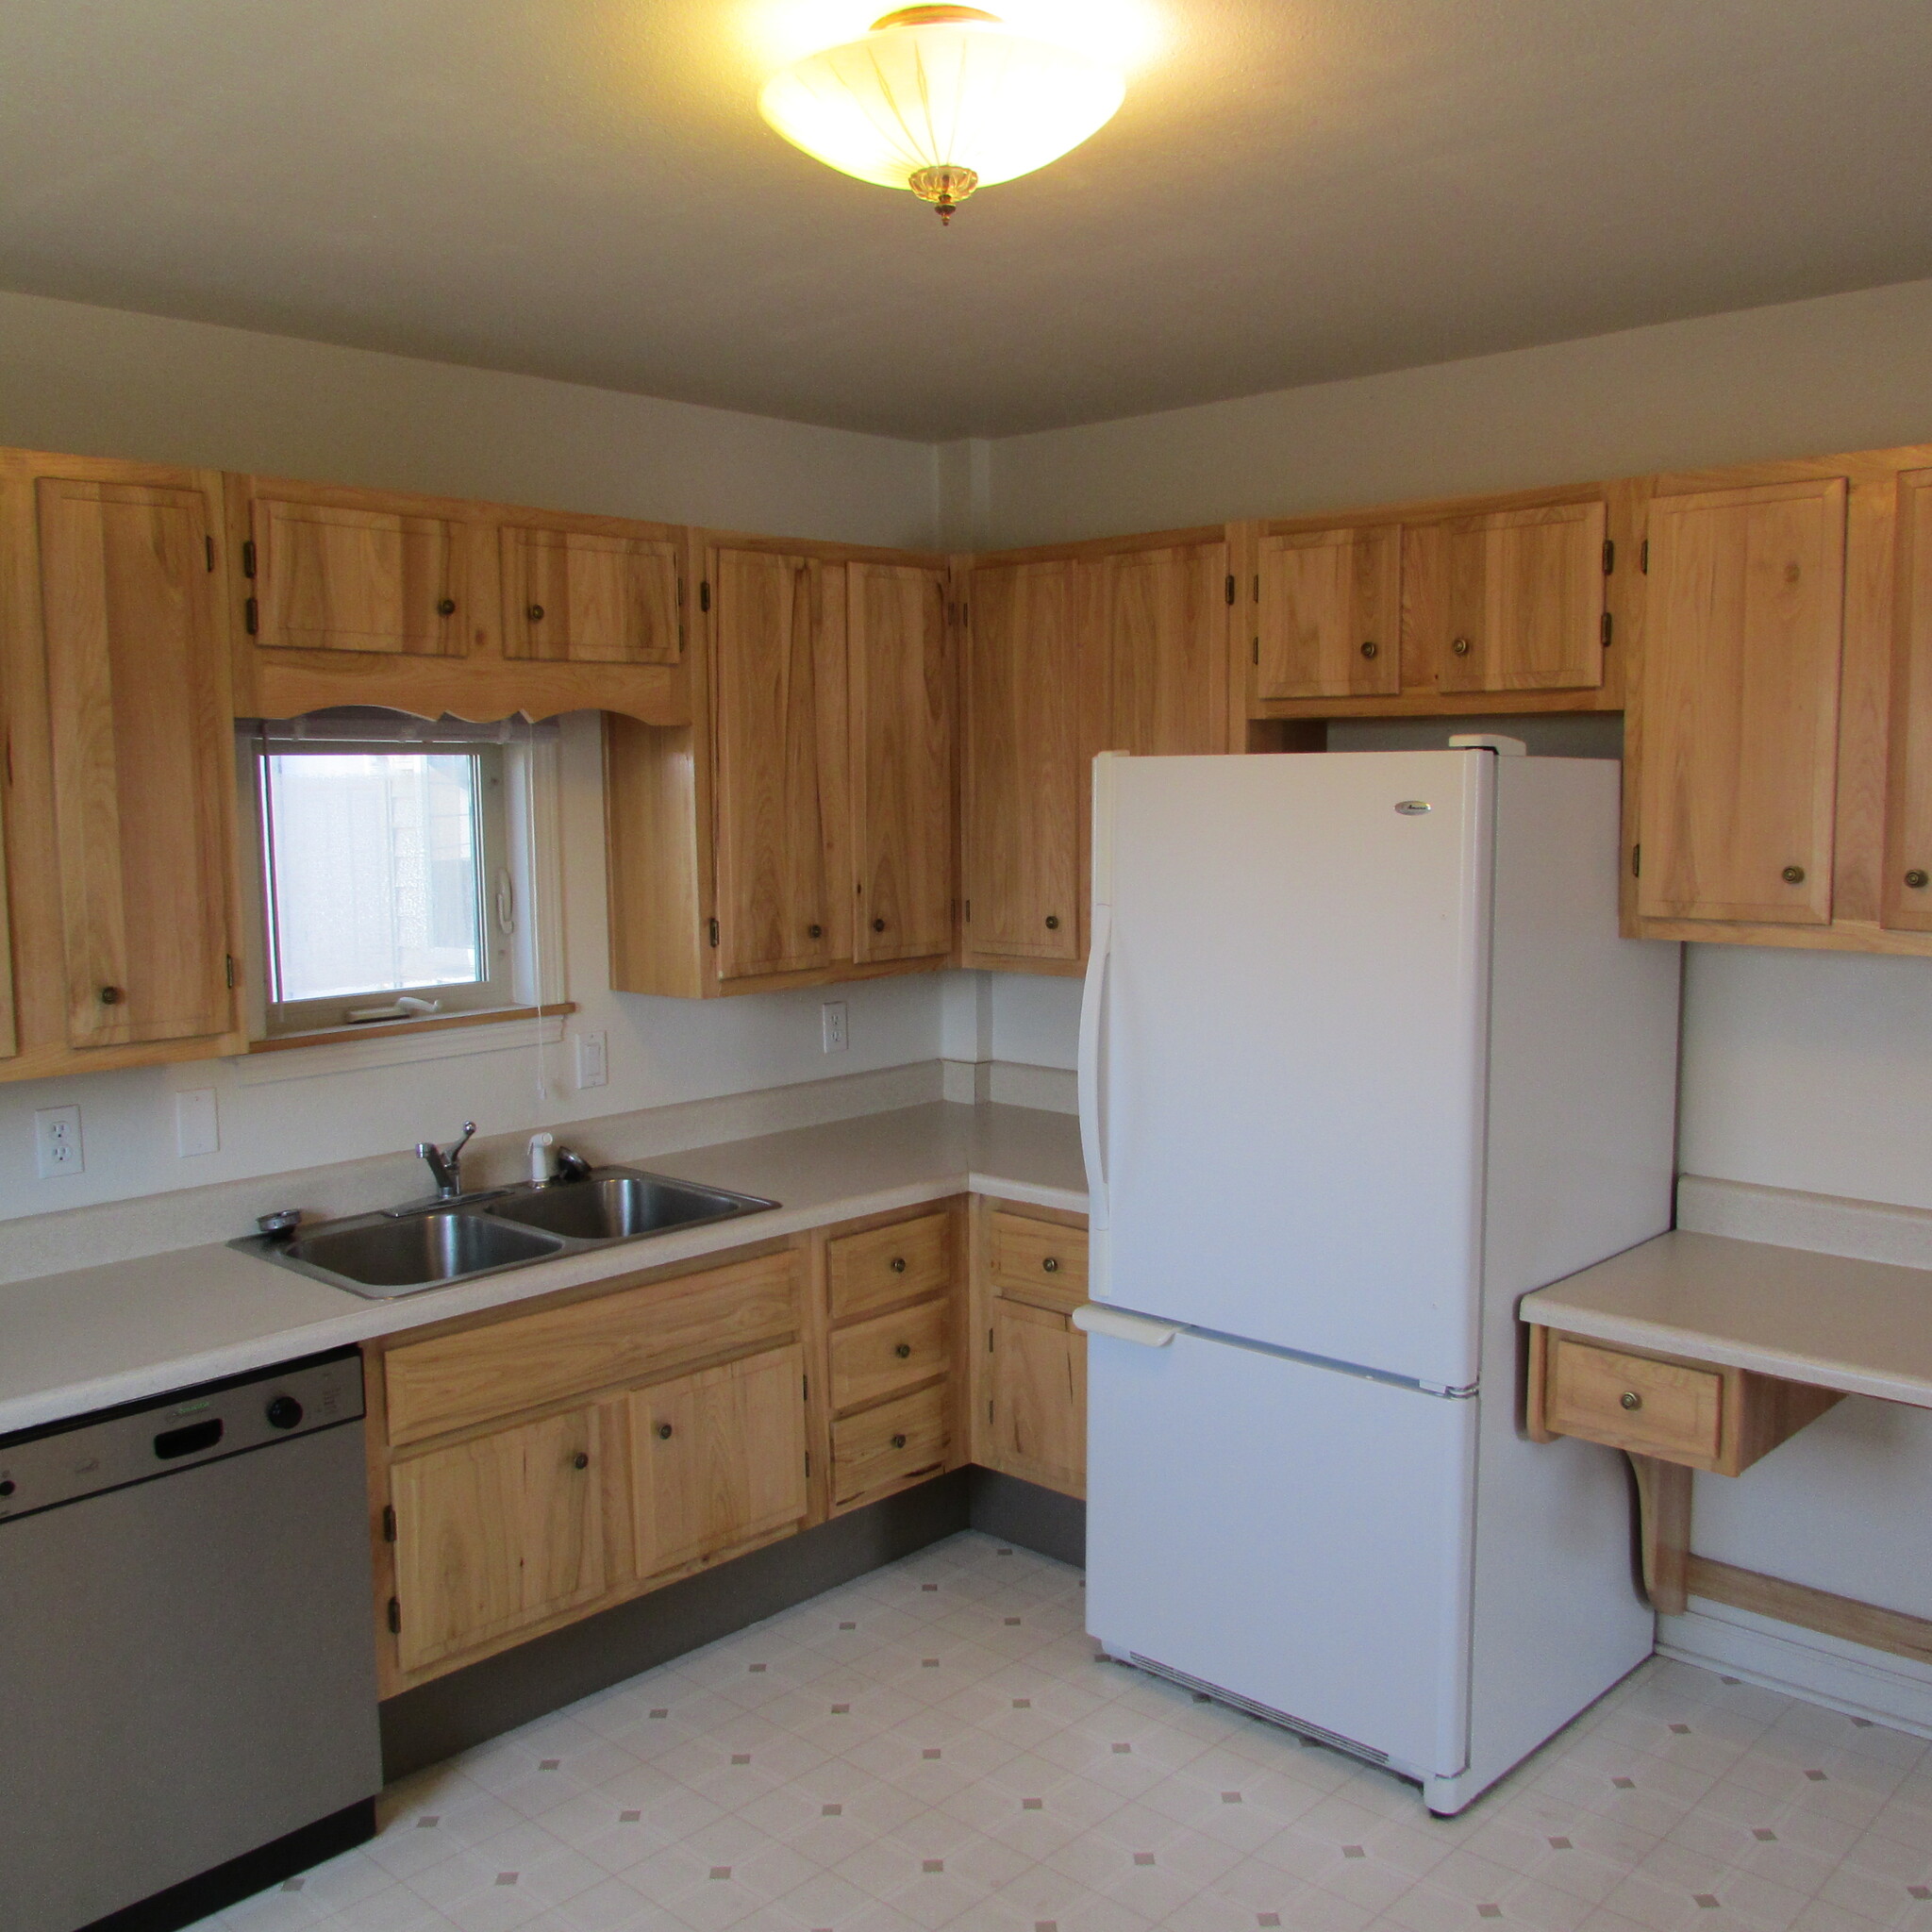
(197, 1126)
(56, 1142)
(593, 1063)
(832, 1022)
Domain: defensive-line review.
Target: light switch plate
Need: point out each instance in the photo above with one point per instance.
(832, 1022)
(197, 1124)
(593, 1063)
(56, 1142)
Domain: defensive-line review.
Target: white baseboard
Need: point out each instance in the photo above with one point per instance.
(1850, 1677)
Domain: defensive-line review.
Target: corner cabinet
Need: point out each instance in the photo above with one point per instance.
(534, 1465)
(798, 829)
(119, 818)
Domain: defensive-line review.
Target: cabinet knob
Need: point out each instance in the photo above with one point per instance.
(1370, 649)
(898, 1441)
(580, 1460)
(1053, 921)
(1052, 1265)
(447, 608)
(817, 932)
(1460, 647)
(111, 995)
(1918, 880)
(898, 1264)
(1793, 875)
(1631, 1400)
(663, 1432)
(904, 1351)
(535, 613)
(878, 925)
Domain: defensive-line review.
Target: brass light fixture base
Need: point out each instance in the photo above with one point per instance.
(945, 187)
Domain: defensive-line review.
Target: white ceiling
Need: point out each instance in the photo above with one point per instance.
(1296, 191)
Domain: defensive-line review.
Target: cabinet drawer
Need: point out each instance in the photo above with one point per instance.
(1630, 1402)
(885, 1445)
(1039, 1261)
(889, 1353)
(883, 1265)
(635, 1335)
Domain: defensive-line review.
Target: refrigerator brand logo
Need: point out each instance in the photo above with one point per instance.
(1414, 808)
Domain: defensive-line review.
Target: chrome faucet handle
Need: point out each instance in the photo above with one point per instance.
(445, 1164)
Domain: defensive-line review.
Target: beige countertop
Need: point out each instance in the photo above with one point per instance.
(87, 1340)
(1861, 1326)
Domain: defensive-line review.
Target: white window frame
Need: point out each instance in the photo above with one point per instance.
(519, 869)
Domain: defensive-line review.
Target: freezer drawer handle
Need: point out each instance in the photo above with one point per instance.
(1092, 1318)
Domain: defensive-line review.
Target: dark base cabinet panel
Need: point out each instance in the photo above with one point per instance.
(199, 1898)
(1021, 1513)
(469, 1706)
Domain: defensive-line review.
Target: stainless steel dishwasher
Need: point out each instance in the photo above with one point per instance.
(187, 1664)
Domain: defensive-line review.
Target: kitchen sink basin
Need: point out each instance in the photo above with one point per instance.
(618, 1206)
(420, 1250)
(404, 1251)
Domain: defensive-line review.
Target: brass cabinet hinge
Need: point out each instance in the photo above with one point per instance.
(713, 924)
(210, 543)
(1230, 587)
(1258, 650)
(1643, 556)
(804, 1388)
(1604, 630)
(807, 1465)
(396, 1618)
(248, 557)
(703, 595)
(228, 962)
(1637, 861)
(1609, 556)
(251, 615)
(389, 1522)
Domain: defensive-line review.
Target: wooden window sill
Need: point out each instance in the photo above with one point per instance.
(395, 1029)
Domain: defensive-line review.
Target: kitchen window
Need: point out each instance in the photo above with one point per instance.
(393, 869)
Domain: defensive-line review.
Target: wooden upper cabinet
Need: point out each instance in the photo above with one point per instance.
(779, 723)
(501, 1532)
(1524, 599)
(1023, 773)
(1742, 645)
(1328, 613)
(1905, 893)
(719, 1458)
(1164, 624)
(904, 718)
(335, 576)
(141, 760)
(589, 597)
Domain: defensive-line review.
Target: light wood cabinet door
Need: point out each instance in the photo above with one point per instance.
(718, 1458)
(1164, 621)
(330, 577)
(1526, 600)
(780, 790)
(142, 762)
(579, 597)
(498, 1533)
(1023, 776)
(1328, 620)
(1743, 638)
(1906, 896)
(904, 730)
(1038, 1417)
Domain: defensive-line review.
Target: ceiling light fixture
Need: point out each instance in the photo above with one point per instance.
(941, 100)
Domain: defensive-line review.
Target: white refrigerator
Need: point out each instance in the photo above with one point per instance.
(1362, 1061)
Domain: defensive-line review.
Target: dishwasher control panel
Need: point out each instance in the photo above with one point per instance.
(61, 1462)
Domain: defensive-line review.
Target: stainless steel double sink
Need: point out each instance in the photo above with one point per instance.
(403, 1251)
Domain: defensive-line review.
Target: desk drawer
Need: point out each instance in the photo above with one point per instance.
(889, 1353)
(883, 1446)
(1039, 1261)
(889, 1264)
(1631, 1402)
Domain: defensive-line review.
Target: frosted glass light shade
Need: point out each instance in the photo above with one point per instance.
(941, 88)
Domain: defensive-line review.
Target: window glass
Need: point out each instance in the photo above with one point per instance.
(374, 872)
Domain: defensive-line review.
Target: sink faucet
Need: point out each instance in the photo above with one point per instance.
(446, 1163)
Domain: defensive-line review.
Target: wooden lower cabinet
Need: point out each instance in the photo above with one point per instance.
(718, 1459)
(533, 1465)
(502, 1531)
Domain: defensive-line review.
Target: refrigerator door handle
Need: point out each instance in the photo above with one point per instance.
(1092, 1001)
(1091, 1318)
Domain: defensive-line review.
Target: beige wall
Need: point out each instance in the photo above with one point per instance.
(1800, 1069)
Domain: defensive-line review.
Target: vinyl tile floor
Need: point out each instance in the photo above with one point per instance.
(937, 1744)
